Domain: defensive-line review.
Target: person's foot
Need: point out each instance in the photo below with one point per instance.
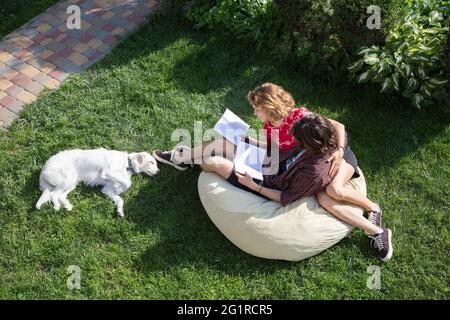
(375, 216)
(383, 242)
(168, 157)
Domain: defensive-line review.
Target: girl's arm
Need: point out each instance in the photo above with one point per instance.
(340, 130)
(254, 142)
(337, 156)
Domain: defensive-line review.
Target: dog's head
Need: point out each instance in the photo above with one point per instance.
(144, 162)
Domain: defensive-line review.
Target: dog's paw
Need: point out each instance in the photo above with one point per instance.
(69, 207)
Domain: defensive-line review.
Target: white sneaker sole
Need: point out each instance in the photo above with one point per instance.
(168, 162)
(391, 248)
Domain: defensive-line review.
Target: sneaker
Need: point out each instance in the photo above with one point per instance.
(167, 157)
(383, 242)
(375, 216)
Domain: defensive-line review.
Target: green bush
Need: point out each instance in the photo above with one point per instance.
(253, 20)
(326, 34)
(412, 59)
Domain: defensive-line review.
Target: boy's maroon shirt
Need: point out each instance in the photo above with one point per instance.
(305, 177)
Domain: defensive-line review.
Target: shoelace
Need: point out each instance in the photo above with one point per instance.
(377, 242)
(179, 149)
(372, 217)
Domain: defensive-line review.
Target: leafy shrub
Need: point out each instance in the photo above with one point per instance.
(411, 61)
(326, 34)
(254, 20)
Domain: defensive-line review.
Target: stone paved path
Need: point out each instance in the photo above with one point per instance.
(44, 52)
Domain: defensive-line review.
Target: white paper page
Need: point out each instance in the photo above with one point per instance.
(231, 127)
(249, 159)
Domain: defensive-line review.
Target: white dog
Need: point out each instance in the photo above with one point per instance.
(107, 168)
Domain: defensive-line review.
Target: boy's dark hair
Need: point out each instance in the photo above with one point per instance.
(315, 134)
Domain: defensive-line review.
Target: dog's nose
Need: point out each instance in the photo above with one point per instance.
(157, 172)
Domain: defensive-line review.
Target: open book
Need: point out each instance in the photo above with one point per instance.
(248, 158)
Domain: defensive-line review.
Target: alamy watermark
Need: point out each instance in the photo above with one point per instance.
(74, 280)
(374, 280)
(374, 20)
(74, 20)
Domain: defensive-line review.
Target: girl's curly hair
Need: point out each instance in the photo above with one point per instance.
(315, 134)
(273, 99)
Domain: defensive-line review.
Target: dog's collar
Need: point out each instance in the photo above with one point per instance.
(130, 166)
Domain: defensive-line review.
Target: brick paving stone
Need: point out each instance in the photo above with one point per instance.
(77, 59)
(5, 84)
(14, 90)
(34, 88)
(15, 63)
(21, 80)
(45, 54)
(6, 101)
(23, 54)
(5, 56)
(81, 47)
(89, 52)
(95, 43)
(6, 116)
(29, 71)
(16, 107)
(51, 83)
(110, 40)
(26, 97)
(58, 74)
(7, 72)
(65, 52)
(54, 46)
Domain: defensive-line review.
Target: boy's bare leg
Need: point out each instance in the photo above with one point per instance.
(347, 213)
(338, 190)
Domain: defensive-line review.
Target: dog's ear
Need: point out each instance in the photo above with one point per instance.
(140, 159)
(137, 161)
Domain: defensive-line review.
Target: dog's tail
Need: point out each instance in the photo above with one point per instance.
(45, 197)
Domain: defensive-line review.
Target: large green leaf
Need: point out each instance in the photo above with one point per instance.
(371, 59)
(356, 66)
(363, 77)
(387, 85)
(417, 100)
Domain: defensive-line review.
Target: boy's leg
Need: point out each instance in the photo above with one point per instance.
(347, 213)
(338, 190)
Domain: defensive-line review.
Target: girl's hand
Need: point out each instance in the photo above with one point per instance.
(246, 180)
(335, 159)
(245, 138)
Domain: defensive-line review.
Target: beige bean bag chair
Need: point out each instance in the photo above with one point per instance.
(266, 229)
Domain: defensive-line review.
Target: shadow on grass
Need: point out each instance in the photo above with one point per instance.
(383, 128)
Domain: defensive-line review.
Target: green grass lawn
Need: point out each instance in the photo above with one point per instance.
(167, 76)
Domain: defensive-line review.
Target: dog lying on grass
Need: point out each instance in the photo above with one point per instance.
(100, 167)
